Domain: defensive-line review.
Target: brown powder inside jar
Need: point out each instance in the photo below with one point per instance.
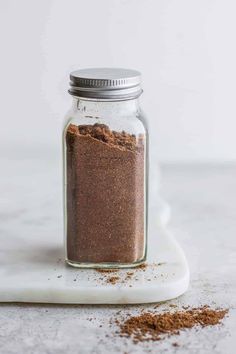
(105, 195)
(154, 327)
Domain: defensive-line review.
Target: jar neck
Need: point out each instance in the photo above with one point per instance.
(97, 108)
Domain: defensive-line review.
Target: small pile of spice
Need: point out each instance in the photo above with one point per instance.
(150, 326)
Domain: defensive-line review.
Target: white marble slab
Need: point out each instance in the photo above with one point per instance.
(36, 272)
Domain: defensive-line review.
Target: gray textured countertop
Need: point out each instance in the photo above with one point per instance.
(203, 220)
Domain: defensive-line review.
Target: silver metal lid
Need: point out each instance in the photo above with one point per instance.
(106, 83)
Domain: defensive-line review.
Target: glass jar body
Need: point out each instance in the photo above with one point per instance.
(105, 184)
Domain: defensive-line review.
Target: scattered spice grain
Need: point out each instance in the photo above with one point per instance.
(110, 270)
(128, 276)
(112, 280)
(142, 266)
(186, 307)
(175, 344)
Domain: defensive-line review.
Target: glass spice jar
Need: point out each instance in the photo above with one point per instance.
(105, 170)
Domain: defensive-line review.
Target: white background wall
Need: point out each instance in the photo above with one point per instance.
(185, 50)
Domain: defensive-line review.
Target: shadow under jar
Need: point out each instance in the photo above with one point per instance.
(105, 170)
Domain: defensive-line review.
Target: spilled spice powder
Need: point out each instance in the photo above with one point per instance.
(153, 327)
(129, 276)
(110, 270)
(142, 266)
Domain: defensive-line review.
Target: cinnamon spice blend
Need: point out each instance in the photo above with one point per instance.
(105, 195)
(154, 327)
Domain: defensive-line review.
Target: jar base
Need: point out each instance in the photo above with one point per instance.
(105, 265)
